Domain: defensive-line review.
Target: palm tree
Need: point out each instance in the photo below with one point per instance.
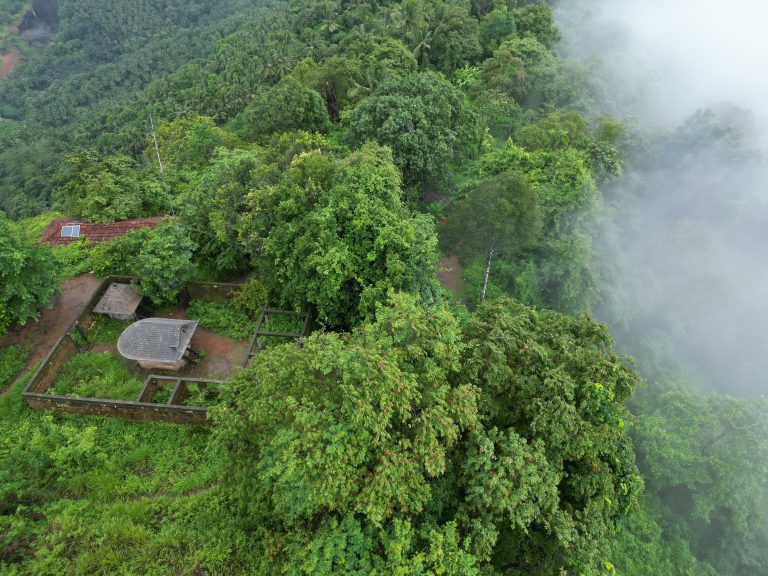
(373, 77)
(405, 19)
(422, 46)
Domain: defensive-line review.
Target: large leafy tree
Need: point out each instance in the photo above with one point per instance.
(499, 217)
(549, 469)
(423, 119)
(28, 276)
(339, 236)
(286, 106)
(413, 447)
(333, 446)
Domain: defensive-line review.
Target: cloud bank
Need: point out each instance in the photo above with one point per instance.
(690, 233)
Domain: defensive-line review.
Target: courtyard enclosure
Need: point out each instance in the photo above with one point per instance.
(167, 397)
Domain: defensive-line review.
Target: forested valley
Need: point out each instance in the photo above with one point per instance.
(456, 201)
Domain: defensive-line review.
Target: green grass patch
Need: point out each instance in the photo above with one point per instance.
(105, 330)
(32, 227)
(201, 395)
(223, 318)
(280, 323)
(96, 495)
(12, 362)
(97, 375)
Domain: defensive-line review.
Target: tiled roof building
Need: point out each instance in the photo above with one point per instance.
(62, 231)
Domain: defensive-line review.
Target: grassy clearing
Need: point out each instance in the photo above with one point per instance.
(105, 330)
(223, 318)
(97, 375)
(94, 495)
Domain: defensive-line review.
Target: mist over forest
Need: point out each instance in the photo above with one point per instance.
(689, 231)
(524, 242)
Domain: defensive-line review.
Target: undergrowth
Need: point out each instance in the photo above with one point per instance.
(12, 361)
(223, 318)
(105, 330)
(97, 375)
(95, 495)
(280, 323)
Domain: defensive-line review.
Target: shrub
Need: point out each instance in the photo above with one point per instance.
(12, 361)
(251, 297)
(223, 318)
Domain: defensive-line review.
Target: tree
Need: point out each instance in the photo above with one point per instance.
(411, 446)
(286, 106)
(454, 38)
(495, 27)
(500, 215)
(106, 190)
(506, 73)
(703, 457)
(536, 20)
(339, 237)
(28, 276)
(336, 446)
(164, 262)
(421, 117)
(214, 204)
(549, 469)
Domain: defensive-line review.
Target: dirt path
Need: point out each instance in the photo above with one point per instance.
(449, 274)
(9, 61)
(53, 323)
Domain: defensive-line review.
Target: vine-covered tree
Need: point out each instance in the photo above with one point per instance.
(106, 190)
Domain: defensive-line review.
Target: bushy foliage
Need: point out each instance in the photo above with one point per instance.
(224, 318)
(340, 238)
(142, 496)
(12, 361)
(28, 278)
(251, 297)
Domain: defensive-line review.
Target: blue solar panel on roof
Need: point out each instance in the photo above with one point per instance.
(70, 231)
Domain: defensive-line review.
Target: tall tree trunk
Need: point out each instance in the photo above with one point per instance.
(487, 273)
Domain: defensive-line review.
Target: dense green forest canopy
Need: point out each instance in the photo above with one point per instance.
(337, 152)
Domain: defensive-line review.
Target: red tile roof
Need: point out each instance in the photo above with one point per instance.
(94, 232)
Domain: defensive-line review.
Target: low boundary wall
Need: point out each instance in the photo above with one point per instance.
(76, 340)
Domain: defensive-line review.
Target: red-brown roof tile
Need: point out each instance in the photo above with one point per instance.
(94, 232)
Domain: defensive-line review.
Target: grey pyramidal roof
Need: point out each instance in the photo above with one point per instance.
(156, 339)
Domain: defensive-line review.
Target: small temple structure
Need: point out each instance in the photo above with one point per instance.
(157, 343)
